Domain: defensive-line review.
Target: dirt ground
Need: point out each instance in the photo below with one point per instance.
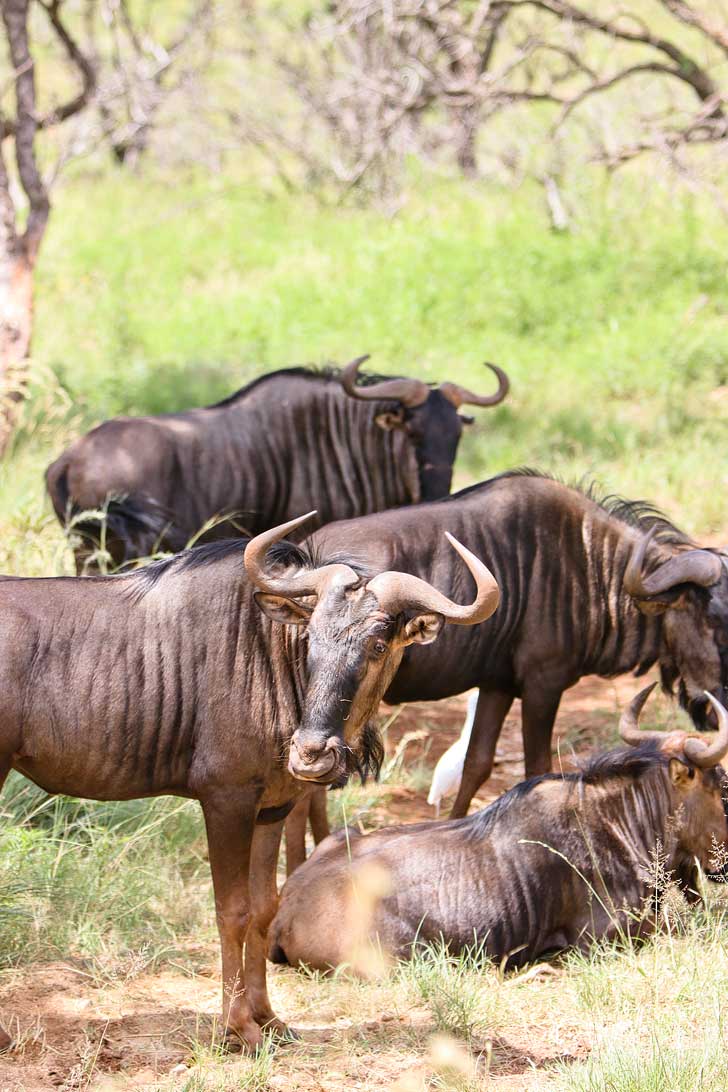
(136, 1032)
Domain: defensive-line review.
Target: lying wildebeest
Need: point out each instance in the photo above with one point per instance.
(558, 861)
(589, 588)
(168, 680)
(290, 441)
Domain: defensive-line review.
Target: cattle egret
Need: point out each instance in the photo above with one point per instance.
(449, 770)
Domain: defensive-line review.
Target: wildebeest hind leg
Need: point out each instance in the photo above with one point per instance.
(538, 713)
(230, 821)
(264, 903)
(490, 713)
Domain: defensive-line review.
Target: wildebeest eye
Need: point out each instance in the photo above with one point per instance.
(380, 647)
(721, 637)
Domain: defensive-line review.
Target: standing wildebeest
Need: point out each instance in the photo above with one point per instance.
(560, 860)
(290, 441)
(169, 681)
(589, 588)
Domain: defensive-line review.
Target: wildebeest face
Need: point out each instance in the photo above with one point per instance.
(434, 429)
(700, 822)
(428, 416)
(697, 781)
(352, 650)
(689, 590)
(694, 657)
(356, 632)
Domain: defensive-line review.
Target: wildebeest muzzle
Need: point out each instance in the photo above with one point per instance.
(313, 760)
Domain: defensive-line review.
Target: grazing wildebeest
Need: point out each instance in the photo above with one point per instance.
(589, 588)
(559, 861)
(288, 442)
(169, 680)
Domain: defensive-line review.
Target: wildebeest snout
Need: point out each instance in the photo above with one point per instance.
(313, 759)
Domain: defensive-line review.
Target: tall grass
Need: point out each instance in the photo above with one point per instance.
(100, 881)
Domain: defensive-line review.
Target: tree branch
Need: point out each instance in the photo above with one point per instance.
(711, 29)
(80, 61)
(686, 69)
(77, 58)
(15, 18)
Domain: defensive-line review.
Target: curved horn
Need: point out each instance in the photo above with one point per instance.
(461, 396)
(410, 392)
(397, 592)
(629, 728)
(307, 582)
(689, 567)
(704, 754)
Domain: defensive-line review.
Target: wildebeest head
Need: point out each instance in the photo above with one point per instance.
(356, 631)
(429, 416)
(691, 590)
(698, 781)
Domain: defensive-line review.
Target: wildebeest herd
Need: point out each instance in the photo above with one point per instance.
(246, 672)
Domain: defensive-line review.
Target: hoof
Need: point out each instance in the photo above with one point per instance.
(242, 1042)
(279, 1032)
(6, 1043)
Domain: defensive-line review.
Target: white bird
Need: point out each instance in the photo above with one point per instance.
(448, 772)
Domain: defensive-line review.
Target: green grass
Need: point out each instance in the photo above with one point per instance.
(111, 884)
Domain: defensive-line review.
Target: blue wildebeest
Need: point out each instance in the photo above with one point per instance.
(170, 680)
(589, 587)
(290, 441)
(559, 861)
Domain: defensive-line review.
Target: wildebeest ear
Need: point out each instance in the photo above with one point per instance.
(466, 419)
(680, 774)
(280, 609)
(423, 629)
(388, 420)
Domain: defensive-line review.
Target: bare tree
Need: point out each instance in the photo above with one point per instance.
(22, 231)
(139, 68)
(376, 79)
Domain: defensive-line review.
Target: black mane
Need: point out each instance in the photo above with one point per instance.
(326, 373)
(298, 371)
(623, 762)
(641, 514)
(210, 553)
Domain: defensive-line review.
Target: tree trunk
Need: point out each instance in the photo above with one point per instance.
(465, 122)
(16, 325)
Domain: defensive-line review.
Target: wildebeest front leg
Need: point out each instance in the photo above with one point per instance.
(538, 713)
(264, 903)
(490, 713)
(230, 822)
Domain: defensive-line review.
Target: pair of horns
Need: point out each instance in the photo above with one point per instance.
(688, 567)
(413, 392)
(395, 591)
(696, 750)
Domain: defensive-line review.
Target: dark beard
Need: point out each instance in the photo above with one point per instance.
(366, 760)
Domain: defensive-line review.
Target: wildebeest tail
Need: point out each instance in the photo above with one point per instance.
(134, 527)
